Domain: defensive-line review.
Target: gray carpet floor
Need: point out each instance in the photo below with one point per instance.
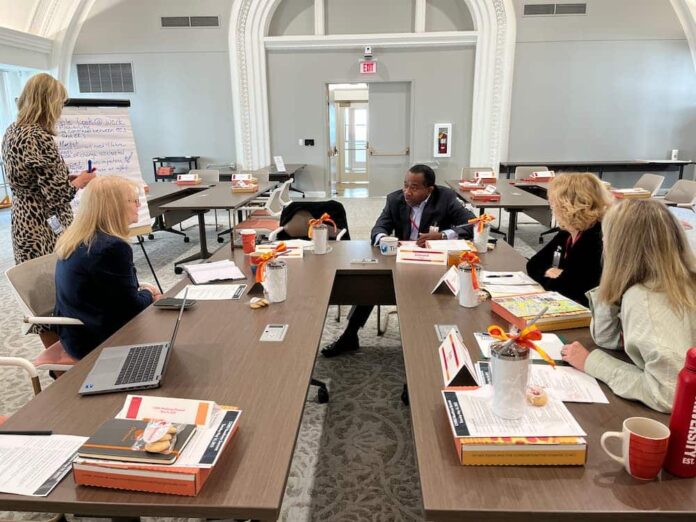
(354, 458)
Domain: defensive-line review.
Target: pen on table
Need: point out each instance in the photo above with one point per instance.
(25, 432)
(502, 275)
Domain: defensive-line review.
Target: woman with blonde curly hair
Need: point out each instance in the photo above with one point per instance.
(645, 305)
(571, 263)
(41, 186)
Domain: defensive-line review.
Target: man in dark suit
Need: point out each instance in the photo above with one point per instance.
(421, 211)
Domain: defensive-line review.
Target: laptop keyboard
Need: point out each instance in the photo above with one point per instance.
(140, 364)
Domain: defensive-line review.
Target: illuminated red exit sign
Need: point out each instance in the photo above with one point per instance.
(368, 67)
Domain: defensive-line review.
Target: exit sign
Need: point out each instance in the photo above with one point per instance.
(368, 67)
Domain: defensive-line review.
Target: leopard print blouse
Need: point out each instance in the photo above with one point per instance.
(40, 187)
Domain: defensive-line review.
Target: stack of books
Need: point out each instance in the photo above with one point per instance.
(485, 195)
(631, 193)
(541, 176)
(468, 184)
(117, 456)
(561, 313)
(543, 436)
(244, 183)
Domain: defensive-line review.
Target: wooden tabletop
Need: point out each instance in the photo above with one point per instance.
(511, 197)
(637, 163)
(218, 357)
(161, 191)
(219, 196)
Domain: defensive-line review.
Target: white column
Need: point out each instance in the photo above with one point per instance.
(420, 16)
(319, 17)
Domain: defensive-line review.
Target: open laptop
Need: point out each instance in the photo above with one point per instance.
(133, 367)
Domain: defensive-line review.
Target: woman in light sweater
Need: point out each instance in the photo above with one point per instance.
(645, 305)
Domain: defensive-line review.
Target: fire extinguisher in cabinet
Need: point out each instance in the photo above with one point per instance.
(442, 143)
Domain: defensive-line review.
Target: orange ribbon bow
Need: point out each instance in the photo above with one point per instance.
(472, 260)
(523, 338)
(325, 218)
(481, 221)
(265, 258)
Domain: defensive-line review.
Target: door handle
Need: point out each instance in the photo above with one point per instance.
(373, 152)
(333, 152)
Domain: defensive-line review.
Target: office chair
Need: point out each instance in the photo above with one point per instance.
(34, 288)
(208, 177)
(264, 219)
(294, 224)
(650, 182)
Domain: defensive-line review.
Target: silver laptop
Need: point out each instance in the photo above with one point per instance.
(133, 367)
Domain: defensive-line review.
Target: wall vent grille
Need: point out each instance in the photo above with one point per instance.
(190, 21)
(205, 21)
(105, 77)
(175, 21)
(555, 9)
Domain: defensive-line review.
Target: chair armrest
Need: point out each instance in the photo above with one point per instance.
(52, 320)
(341, 234)
(272, 236)
(685, 205)
(19, 362)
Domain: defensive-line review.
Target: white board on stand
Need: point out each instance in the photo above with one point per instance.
(103, 135)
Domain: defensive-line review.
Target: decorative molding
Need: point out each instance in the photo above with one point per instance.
(419, 18)
(494, 38)
(686, 13)
(26, 41)
(384, 41)
(319, 17)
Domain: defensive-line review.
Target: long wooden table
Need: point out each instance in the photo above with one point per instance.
(600, 167)
(513, 199)
(218, 357)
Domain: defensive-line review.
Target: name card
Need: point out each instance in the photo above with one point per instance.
(410, 253)
(457, 367)
(448, 281)
(187, 177)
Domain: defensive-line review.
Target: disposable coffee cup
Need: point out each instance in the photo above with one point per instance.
(248, 240)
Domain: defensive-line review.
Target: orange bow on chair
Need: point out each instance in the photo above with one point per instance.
(325, 218)
(473, 261)
(524, 338)
(481, 221)
(265, 258)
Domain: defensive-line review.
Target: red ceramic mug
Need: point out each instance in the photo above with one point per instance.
(643, 446)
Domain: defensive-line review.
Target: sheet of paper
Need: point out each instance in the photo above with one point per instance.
(293, 251)
(32, 465)
(472, 409)
(449, 244)
(550, 343)
(210, 292)
(410, 253)
(207, 443)
(510, 290)
(505, 278)
(186, 411)
(219, 271)
(564, 383)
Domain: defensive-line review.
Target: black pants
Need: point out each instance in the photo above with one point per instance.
(357, 317)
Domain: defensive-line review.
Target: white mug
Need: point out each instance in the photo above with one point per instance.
(387, 245)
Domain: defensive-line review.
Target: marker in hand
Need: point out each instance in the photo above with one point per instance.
(89, 166)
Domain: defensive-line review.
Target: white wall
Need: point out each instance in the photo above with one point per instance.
(182, 103)
(16, 14)
(616, 84)
(369, 16)
(447, 15)
(297, 102)
(292, 17)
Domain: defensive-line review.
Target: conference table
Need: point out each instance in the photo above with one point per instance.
(600, 167)
(218, 357)
(216, 197)
(513, 199)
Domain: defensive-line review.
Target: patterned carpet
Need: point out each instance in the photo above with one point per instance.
(354, 458)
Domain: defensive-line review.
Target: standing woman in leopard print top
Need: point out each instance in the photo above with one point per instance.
(39, 179)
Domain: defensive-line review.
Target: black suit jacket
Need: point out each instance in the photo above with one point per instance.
(97, 285)
(443, 210)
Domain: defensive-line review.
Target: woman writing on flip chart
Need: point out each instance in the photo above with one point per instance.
(95, 275)
(571, 263)
(645, 305)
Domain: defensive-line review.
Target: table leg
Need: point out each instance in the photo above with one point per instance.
(203, 254)
(681, 171)
(147, 258)
(512, 225)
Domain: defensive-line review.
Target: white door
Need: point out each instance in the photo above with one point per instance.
(389, 151)
(333, 149)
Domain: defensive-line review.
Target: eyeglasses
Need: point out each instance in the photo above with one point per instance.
(136, 201)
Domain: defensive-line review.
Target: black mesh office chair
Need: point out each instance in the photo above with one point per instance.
(294, 224)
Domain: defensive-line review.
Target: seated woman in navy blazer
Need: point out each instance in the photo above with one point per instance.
(578, 201)
(95, 275)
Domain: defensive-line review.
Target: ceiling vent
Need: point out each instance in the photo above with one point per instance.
(555, 9)
(190, 21)
(105, 77)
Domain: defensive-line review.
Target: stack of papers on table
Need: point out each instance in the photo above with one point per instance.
(547, 435)
(34, 465)
(449, 245)
(212, 292)
(215, 426)
(503, 284)
(218, 271)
